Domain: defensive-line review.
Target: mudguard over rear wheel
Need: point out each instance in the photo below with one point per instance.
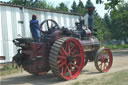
(103, 60)
(66, 58)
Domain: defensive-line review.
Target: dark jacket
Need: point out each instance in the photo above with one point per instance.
(35, 28)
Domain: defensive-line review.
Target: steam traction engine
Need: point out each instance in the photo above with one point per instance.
(61, 50)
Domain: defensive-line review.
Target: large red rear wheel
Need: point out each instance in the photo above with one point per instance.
(103, 60)
(66, 58)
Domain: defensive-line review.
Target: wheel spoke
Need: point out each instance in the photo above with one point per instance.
(66, 45)
(77, 55)
(61, 53)
(62, 57)
(62, 69)
(74, 51)
(59, 61)
(62, 64)
(108, 61)
(72, 47)
(105, 65)
(65, 69)
(69, 71)
(101, 66)
(64, 50)
(48, 25)
(52, 25)
(105, 54)
(75, 65)
(69, 46)
(70, 67)
(100, 56)
(74, 59)
(108, 57)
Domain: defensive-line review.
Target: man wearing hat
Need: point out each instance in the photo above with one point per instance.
(35, 28)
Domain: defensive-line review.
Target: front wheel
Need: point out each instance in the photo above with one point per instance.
(103, 60)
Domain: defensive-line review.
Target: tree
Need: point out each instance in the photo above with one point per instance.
(88, 4)
(103, 32)
(81, 9)
(35, 3)
(78, 8)
(40, 4)
(99, 1)
(74, 7)
(111, 4)
(118, 22)
(19, 2)
(81, 5)
(62, 7)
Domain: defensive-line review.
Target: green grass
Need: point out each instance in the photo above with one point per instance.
(8, 69)
(113, 47)
(117, 78)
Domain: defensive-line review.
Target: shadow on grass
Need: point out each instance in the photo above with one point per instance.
(47, 79)
(87, 72)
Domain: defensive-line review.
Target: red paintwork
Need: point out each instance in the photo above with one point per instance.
(32, 51)
(105, 65)
(38, 65)
(70, 70)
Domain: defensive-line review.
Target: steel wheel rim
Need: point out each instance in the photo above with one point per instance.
(70, 59)
(104, 60)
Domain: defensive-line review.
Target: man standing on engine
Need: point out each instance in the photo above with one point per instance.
(35, 28)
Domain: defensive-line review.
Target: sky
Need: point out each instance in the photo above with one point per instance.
(99, 7)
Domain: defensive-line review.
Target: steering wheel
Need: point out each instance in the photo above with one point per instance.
(48, 25)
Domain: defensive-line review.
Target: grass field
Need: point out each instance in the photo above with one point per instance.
(117, 78)
(8, 69)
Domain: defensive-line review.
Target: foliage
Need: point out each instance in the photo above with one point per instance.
(103, 33)
(40, 4)
(62, 7)
(112, 47)
(111, 4)
(74, 7)
(81, 8)
(35, 3)
(89, 3)
(78, 8)
(19, 2)
(117, 22)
